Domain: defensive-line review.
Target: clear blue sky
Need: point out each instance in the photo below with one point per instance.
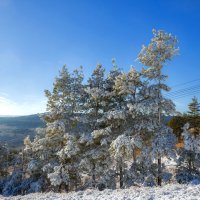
(38, 36)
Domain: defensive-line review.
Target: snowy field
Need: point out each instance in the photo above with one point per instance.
(167, 192)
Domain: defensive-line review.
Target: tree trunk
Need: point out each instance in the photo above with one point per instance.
(67, 188)
(190, 166)
(190, 163)
(121, 176)
(159, 180)
(60, 187)
(93, 176)
(76, 184)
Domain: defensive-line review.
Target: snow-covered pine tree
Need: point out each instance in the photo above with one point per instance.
(113, 118)
(104, 119)
(55, 148)
(162, 48)
(138, 125)
(188, 167)
(126, 91)
(95, 157)
(139, 132)
(193, 116)
(194, 107)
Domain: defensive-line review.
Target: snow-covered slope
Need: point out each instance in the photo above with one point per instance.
(172, 191)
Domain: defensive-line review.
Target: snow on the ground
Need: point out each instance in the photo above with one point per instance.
(169, 162)
(167, 192)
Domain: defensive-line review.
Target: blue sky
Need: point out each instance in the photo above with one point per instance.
(38, 36)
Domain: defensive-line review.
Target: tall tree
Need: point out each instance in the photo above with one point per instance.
(161, 49)
(94, 157)
(102, 98)
(54, 148)
(126, 92)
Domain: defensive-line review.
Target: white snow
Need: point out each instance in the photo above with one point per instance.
(171, 191)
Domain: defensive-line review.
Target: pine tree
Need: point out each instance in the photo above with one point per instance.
(161, 49)
(100, 108)
(55, 148)
(106, 127)
(194, 116)
(126, 91)
(95, 155)
(188, 167)
(194, 107)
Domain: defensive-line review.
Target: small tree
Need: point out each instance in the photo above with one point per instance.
(189, 157)
(194, 116)
(177, 123)
(194, 107)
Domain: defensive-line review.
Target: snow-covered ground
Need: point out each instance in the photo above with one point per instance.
(167, 192)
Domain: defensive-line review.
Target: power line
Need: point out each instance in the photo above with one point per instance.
(192, 93)
(195, 87)
(195, 80)
(183, 92)
(186, 95)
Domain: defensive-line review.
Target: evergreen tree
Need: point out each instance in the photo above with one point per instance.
(188, 167)
(194, 116)
(95, 154)
(161, 49)
(177, 123)
(55, 148)
(194, 107)
(126, 94)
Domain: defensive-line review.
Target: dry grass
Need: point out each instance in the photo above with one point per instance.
(179, 145)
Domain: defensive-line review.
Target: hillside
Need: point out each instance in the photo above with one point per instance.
(14, 129)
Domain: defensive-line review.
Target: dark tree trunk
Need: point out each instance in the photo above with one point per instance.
(190, 163)
(67, 188)
(120, 176)
(93, 176)
(60, 187)
(159, 180)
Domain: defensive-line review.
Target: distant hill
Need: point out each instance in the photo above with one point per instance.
(13, 130)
